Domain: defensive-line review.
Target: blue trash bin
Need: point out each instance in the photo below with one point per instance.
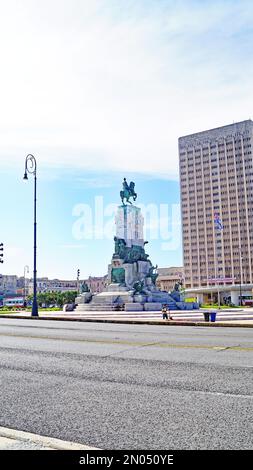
(213, 316)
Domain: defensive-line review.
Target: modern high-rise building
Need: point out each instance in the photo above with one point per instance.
(216, 179)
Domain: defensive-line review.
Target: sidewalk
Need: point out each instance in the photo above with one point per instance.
(10, 439)
(230, 318)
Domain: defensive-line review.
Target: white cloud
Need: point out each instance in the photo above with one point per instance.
(103, 84)
(71, 246)
(95, 183)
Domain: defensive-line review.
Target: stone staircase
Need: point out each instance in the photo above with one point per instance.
(92, 307)
(172, 304)
(96, 306)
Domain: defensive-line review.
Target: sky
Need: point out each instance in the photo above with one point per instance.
(101, 89)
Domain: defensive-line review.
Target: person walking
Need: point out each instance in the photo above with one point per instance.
(166, 313)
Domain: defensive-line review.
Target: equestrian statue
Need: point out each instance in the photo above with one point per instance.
(128, 192)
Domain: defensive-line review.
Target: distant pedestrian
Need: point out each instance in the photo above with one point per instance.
(165, 312)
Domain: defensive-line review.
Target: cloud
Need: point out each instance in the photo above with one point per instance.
(108, 85)
(96, 182)
(72, 246)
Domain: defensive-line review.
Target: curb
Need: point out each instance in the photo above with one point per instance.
(53, 443)
(134, 322)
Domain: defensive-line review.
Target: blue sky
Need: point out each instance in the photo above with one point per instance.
(60, 253)
(100, 89)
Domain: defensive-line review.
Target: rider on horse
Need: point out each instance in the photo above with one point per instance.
(125, 185)
(128, 191)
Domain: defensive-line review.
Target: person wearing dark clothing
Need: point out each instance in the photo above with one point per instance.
(166, 313)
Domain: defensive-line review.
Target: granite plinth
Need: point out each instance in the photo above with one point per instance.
(153, 306)
(83, 298)
(112, 298)
(133, 307)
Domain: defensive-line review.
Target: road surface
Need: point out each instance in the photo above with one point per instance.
(128, 386)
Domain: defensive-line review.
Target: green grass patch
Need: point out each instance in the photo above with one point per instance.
(29, 309)
(8, 311)
(52, 309)
(222, 307)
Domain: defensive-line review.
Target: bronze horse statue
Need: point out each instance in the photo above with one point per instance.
(128, 192)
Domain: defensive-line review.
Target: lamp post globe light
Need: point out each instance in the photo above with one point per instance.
(31, 167)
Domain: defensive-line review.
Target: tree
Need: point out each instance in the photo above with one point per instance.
(55, 298)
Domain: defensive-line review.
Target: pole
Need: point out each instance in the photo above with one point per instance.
(31, 167)
(77, 280)
(26, 270)
(218, 296)
(24, 286)
(218, 228)
(241, 282)
(216, 269)
(35, 304)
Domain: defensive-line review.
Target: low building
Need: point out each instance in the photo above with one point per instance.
(231, 294)
(8, 284)
(168, 277)
(11, 285)
(52, 285)
(96, 284)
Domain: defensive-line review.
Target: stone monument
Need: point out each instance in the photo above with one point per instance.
(85, 295)
(131, 274)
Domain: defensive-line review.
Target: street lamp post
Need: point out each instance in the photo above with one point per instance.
(241, 279)
(31, 167)
(77, 280)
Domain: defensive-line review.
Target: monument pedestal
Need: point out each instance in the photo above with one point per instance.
(131, 275)
(83, 298)
(133, 307)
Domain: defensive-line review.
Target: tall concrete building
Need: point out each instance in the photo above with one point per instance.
(216, 178)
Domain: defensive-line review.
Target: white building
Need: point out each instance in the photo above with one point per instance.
(52, 285)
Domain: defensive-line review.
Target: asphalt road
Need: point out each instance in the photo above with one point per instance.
(128, 386)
